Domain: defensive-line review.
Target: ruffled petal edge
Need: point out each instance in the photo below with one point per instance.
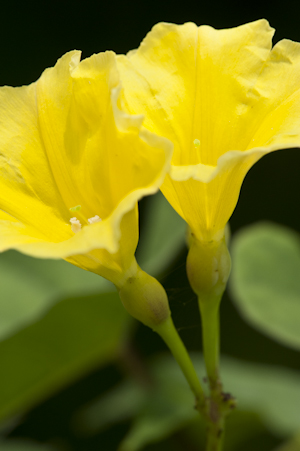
(205, 173)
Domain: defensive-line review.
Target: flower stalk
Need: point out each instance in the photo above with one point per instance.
(208, 269)
(146, 300)
(169, 334)
(211, 340)
(219, 404)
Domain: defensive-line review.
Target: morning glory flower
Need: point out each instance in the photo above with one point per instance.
(225, 98)
(73, 166)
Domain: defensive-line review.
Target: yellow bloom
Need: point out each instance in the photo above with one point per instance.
(224, 98)
(74, 165)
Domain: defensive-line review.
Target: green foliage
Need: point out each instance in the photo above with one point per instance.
(30, 286)
(271, 394)
(119, 404)
(20, 445)
(168, 408)
(75, 336)
(85, 329)
(158, 409)
(292, 445)
(242, 427)
(265, 281)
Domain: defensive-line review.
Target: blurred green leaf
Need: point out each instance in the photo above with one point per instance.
(270, 393)
(119, 404)
(30, 286)
(157, 410)
(291, 445)
(23, 445)
(73, 337)
(162, 236)
(241, 428)
(169, 406)
(265, 280)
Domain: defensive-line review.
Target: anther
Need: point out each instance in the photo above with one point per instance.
(94, 219)
(196, 142)
(75, 225)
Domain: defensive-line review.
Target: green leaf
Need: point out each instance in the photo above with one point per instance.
(162, 236)
(119, 404)
(291, 445)
(271, 394)
(72, 338)
(29, 287)
(270, 391)
(23, 445)
(265, 280)
(157, 410)
(169, 407)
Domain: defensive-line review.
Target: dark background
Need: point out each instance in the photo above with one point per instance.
(33, 35)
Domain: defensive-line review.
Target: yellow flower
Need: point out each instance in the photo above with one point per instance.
(224, 98)
(74, 165)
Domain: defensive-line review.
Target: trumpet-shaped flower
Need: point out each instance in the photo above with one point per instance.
(73, 166)
(224, 98)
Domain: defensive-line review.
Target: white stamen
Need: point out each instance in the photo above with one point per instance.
(75, 225)
(94, 219)
(196, 142)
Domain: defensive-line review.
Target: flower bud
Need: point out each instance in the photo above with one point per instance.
(145, 299)
(208, 267)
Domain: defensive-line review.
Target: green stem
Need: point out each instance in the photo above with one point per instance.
(215, 434)
(208, 268)
(211, 339)
(172, 339)
(209, 309)
(220, 403)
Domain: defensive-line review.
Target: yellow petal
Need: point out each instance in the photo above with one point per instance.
(224, 98)
(192, 83)
(206, 198)
(65, 142)
(275, 116)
